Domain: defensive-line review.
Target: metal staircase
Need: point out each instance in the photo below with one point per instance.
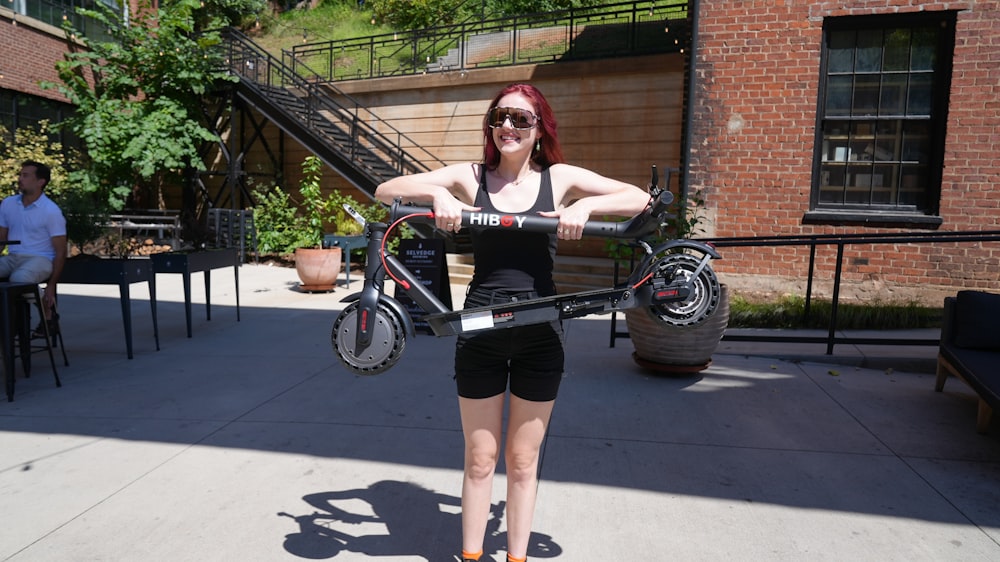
(345, 135)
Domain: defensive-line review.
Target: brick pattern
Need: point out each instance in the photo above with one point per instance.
(30, 50)
(754, 116)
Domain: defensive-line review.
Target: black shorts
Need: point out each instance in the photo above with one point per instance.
(530, 357)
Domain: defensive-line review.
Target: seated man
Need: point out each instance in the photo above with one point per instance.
(37, 223)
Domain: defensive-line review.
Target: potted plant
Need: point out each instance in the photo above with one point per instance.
(286, 227)
(691, 347)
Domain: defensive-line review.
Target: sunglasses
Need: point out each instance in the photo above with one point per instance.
(519, 118)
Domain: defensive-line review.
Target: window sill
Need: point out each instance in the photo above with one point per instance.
(883, 219)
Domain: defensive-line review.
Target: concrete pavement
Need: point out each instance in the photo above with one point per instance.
(250, 442)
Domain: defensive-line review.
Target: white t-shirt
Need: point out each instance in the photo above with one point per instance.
(33, 226)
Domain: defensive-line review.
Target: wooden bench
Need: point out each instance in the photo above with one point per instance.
(970, 348)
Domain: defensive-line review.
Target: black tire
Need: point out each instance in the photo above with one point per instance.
(673, 269)
(388, 341)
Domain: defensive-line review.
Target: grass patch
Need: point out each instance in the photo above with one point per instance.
(790, 312)
(327, 22)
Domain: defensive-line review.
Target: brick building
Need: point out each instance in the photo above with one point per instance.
(846, 117)
(30, 50)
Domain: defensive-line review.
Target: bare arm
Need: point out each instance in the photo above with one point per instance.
(60, 244)
(581, 193)
(449, 190)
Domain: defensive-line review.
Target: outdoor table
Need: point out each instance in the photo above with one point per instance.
(186, 263)
(117, 271)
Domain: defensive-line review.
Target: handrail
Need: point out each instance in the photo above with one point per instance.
(369, 133)
(840, 241)
(626, 28)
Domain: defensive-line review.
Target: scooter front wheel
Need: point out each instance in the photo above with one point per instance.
(387, 342)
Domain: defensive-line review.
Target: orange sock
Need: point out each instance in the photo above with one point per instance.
(512, 559)
(471, 555)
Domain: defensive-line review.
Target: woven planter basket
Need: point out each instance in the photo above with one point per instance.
(673, 349)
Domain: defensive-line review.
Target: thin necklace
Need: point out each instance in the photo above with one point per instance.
(518, 180)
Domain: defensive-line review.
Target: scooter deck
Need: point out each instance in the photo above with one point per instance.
(533, 311)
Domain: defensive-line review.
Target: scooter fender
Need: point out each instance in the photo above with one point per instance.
(393, 305)
(687, 244)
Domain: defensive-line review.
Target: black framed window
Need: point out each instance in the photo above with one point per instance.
(881, 116)
(19, 110)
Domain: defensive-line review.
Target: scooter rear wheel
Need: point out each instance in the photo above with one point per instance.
(388, 341)
(705, 291)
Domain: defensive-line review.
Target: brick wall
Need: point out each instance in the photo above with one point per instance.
(30, 51)
(753, 136)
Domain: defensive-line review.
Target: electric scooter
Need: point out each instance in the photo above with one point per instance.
(672, 280)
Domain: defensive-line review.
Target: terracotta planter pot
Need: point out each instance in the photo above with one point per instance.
(674, 349)
(318, 268)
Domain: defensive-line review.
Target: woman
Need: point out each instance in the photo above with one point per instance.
(523, 171)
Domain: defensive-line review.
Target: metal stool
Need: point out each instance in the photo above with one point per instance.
(53, 337)
(15, 300)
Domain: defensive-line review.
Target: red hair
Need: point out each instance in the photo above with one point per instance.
(550, 151)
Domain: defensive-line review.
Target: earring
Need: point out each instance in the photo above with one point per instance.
(538, 145)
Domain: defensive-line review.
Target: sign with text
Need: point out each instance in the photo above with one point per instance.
(427, 261)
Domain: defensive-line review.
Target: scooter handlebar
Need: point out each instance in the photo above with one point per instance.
(640, 225)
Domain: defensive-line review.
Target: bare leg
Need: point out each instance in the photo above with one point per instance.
(525, 432)
(482, 421)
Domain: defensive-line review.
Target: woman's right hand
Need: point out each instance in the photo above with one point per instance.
(448, 212)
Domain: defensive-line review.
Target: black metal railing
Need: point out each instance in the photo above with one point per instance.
(370, 144)
(624, 29)
(840, 241)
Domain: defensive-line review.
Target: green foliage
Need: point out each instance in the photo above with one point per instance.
(415, 14)
(317, 209)
(515, 7)
(788, 312)
(139, 117)
(283, 224)
(32, 144)
(86, 214)
(280, 229)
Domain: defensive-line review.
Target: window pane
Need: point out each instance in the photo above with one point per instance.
(840, 57)
(866, 95)
(893, 99)
(916, 142)
(924, 49)
(913, 186)
(886, 141)
(897, 50)
(869, 51)
(833, 177)
(838, 95)
(921, 94)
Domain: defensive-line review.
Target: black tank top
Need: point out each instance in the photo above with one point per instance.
(517, 261)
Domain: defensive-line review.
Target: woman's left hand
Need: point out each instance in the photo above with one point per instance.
(571, 221)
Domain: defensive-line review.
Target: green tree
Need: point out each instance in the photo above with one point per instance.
(139, 95)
